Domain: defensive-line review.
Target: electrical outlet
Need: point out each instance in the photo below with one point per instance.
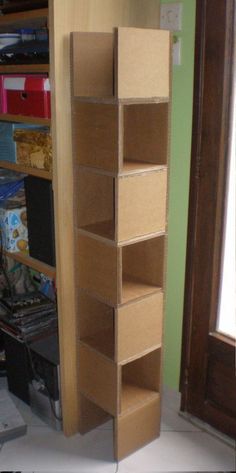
(171, 16)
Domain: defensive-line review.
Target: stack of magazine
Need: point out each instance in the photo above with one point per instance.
(28, 316)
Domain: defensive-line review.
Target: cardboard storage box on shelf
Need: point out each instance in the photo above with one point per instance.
(27, 95)
(13, 223)
(3, 90)
(7, 143)
(34, 148)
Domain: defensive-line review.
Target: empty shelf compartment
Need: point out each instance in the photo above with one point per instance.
(117, 275)
(96, 135)
(96, 324)
(122, 139)
(142, 268)
(145, 129)
(118, 388)
(140, 380)
(95, 204)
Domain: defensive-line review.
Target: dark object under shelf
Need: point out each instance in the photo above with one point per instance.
(40, 217)
(9, 6)
(17, 367)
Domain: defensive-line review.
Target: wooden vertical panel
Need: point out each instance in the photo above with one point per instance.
(60, 23)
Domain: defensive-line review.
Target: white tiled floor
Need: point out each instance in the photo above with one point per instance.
(181, 447)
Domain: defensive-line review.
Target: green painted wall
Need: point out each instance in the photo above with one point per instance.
(181, 124)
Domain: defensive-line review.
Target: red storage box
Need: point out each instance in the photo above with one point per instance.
(27, 96)
(3, 97)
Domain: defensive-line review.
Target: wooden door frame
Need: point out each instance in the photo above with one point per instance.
(214, 38)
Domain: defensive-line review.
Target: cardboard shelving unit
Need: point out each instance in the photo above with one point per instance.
(122, 137)
(120, 120)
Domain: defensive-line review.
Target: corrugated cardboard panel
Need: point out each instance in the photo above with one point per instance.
(142, 268)
(146, 132)
(92, 59)
(95, 198)
(139, 326)
(97, 267)
(98, 379)
(143, 63)
(142, 204)
(143, 372)
(95, 135)
(96, 324)
(91, 415)
(136, 428)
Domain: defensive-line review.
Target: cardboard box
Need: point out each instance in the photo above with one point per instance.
(34, 148)
(3, 93)
(7, 143)
(28, 95)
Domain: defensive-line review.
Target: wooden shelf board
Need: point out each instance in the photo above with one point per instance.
(26, 170)
(132, 396)
(33, 263)
(133, 289)
(7, 117)
(132, 167)
(103, 342)
(34, 17)
(23, 68)
(104, 229)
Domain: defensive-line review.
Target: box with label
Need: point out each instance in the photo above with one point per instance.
(7, 143)
(3, 90)
(28, 95)
(34, 148)
(13, 224)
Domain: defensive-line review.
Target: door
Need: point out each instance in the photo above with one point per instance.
(208, 382)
